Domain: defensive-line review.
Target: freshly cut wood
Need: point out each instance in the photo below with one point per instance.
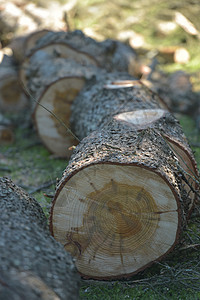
(27, 251)
(170, 129)
(107, 96)
(57, 98)
(53, 52)
(111, 55)
(12, 97)
(120, 204)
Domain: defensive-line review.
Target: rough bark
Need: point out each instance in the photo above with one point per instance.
(110, 54)
(96, 105)
(120, 204)
(105, 97)
(28, 253)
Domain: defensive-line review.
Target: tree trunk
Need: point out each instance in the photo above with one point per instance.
(120, 204)
(28, 254)
(134, 103)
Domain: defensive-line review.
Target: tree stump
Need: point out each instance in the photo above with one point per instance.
(120, 204)
(27, 251)
(133, 102)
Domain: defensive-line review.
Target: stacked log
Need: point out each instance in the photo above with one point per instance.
(124, 198)
(32, 264)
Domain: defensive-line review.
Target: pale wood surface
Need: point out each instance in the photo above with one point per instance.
(57, 98)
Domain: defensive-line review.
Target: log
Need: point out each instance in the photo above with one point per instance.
(39, 59)
(28, 254)
(57, 98)
(12, 97)
(120, 205)
(133, 102)
(111, 55)
(105, 97)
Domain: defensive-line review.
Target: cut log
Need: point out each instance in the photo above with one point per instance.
(120, 204)
(54, 52)
(57, 98)
(170, 129)
(133, 102)
(105, 97)
(110, 54)
(12, 97)
(27, 251)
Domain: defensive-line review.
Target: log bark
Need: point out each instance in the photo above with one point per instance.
(110, 54)
(136, 104)
(27, 251)
(107, 96)
(120, 204)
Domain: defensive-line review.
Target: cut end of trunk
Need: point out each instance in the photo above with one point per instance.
(145, 118)
(115, 219)
(141, 119)
(57, 98)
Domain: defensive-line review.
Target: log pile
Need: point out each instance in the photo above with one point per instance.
(130, 185)
(32, 264)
